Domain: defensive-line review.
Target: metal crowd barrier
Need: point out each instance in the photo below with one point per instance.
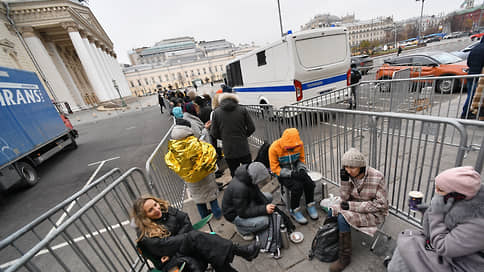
(409, 149)
(13, 247)
(166, 183)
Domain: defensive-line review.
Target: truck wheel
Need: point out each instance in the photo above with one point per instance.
(28, 173)
(73, 145)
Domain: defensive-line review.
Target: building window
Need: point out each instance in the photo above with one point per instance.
(192, 73)
(261, 58)
(216, 70)
(204, 70)
(166, 77)
(210, 69)
(139, 82)
(153, 80)
(186, 74)
(146, 81)
(173, 76)
(198, 71)
(131, 82)
(161, 80)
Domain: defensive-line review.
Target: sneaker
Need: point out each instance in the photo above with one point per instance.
(312, 211)
(298, 216)
(246, 237)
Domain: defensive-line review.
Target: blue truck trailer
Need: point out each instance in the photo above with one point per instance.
(31, 128)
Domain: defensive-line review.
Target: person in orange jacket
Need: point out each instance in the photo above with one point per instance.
(286, 157)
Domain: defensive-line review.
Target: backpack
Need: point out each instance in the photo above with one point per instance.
(263, 155)
(270, 239)
(325, 244)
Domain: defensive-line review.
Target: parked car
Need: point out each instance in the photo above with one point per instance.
(363, 63)
(437, 63)
(432, 39)
(477, 36)
(465, 52)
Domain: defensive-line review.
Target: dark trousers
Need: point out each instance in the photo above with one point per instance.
(353, 100)
(297, 187)
(233, 163)
(471, 88)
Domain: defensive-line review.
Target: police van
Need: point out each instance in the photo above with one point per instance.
(299, 66)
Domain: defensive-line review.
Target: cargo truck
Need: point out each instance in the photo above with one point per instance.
(31, 128)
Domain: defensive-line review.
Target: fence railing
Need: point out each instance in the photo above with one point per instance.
(20, 242)
(166, 183)
(409, 149)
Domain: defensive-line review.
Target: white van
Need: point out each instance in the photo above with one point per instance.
(299, 66)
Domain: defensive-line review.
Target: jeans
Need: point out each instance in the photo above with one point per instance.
(233, 163)
(471, 88)
(203, 211)
(343, 225)
(254, 224)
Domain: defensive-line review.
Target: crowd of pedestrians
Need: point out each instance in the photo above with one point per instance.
(210, 128)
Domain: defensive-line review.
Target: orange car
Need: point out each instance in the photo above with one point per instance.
(477, 36)
(427, 64)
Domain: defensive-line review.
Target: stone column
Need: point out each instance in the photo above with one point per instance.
(97, 66)
(72, 87)
(106, 66)
(122, 79)
(102, 66)
(87, 63)
(47, 65)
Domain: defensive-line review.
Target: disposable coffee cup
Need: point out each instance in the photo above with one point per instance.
(414, 198)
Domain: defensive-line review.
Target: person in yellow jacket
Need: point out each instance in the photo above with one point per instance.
(195, 162)
(286, 157)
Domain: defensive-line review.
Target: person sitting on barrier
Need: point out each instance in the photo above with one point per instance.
(453, 228)
(363, 204)
(244, 204)
(286, 157)
(194, 161)
(166, 233)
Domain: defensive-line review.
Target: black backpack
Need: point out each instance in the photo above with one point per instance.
(263, 155)
(325, 243)
(270, 238)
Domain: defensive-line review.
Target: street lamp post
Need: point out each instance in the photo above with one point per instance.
(117, 89)
(420, 26)
(280, 18)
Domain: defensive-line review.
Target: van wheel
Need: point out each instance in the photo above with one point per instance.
(28, 173)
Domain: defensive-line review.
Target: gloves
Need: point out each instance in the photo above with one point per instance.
(298, 174)
(439, 206)
(344, 205)
(344, 175)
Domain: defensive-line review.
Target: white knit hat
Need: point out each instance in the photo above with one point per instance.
(353, 158)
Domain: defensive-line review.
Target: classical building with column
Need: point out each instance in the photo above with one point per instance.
(66, 46)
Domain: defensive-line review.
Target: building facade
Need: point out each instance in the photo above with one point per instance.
(370, 30)
(175, 63)
(66, 46)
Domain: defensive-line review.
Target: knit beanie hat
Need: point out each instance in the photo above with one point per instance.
(353, 158)
(464, 180)
(190, 108)
(258, 172)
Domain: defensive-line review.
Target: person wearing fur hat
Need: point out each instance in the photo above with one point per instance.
(363, 204)
(194, 161)
(244, 205)
(453, 228)
(233, 125)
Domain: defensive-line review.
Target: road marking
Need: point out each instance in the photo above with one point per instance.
(78, 239)
(71, 205)
(129, 128)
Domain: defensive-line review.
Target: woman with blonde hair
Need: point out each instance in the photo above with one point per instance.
(166, 233)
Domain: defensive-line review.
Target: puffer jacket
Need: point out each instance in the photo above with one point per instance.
(456, 238)
(287, 153)
(189, 157)
(232, 124)
(242, 197)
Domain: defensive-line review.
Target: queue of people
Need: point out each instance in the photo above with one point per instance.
(447, 242)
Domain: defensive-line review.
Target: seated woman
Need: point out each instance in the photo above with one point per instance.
(363, 203)
(453, 228)
(166, 233)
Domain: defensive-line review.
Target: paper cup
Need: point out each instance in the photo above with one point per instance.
(414, 198)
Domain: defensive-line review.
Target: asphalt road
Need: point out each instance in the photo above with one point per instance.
(132, 137)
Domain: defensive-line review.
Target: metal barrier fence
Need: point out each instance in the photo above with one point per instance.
(20, 242)
(166, 183)
(97, 237)
(409, 149)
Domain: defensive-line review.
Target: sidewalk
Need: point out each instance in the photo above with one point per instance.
(134, 104)
(295, 258)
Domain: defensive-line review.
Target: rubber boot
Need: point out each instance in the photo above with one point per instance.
(344, 253)
(248, 252)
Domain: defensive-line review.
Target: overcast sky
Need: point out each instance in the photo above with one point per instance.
(132, 24)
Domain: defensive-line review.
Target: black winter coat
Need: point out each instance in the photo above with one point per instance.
(232, 124)
(243, 198)
(184, 241)
(475, 60)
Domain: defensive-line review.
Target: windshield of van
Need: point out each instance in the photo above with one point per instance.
(321, 51)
